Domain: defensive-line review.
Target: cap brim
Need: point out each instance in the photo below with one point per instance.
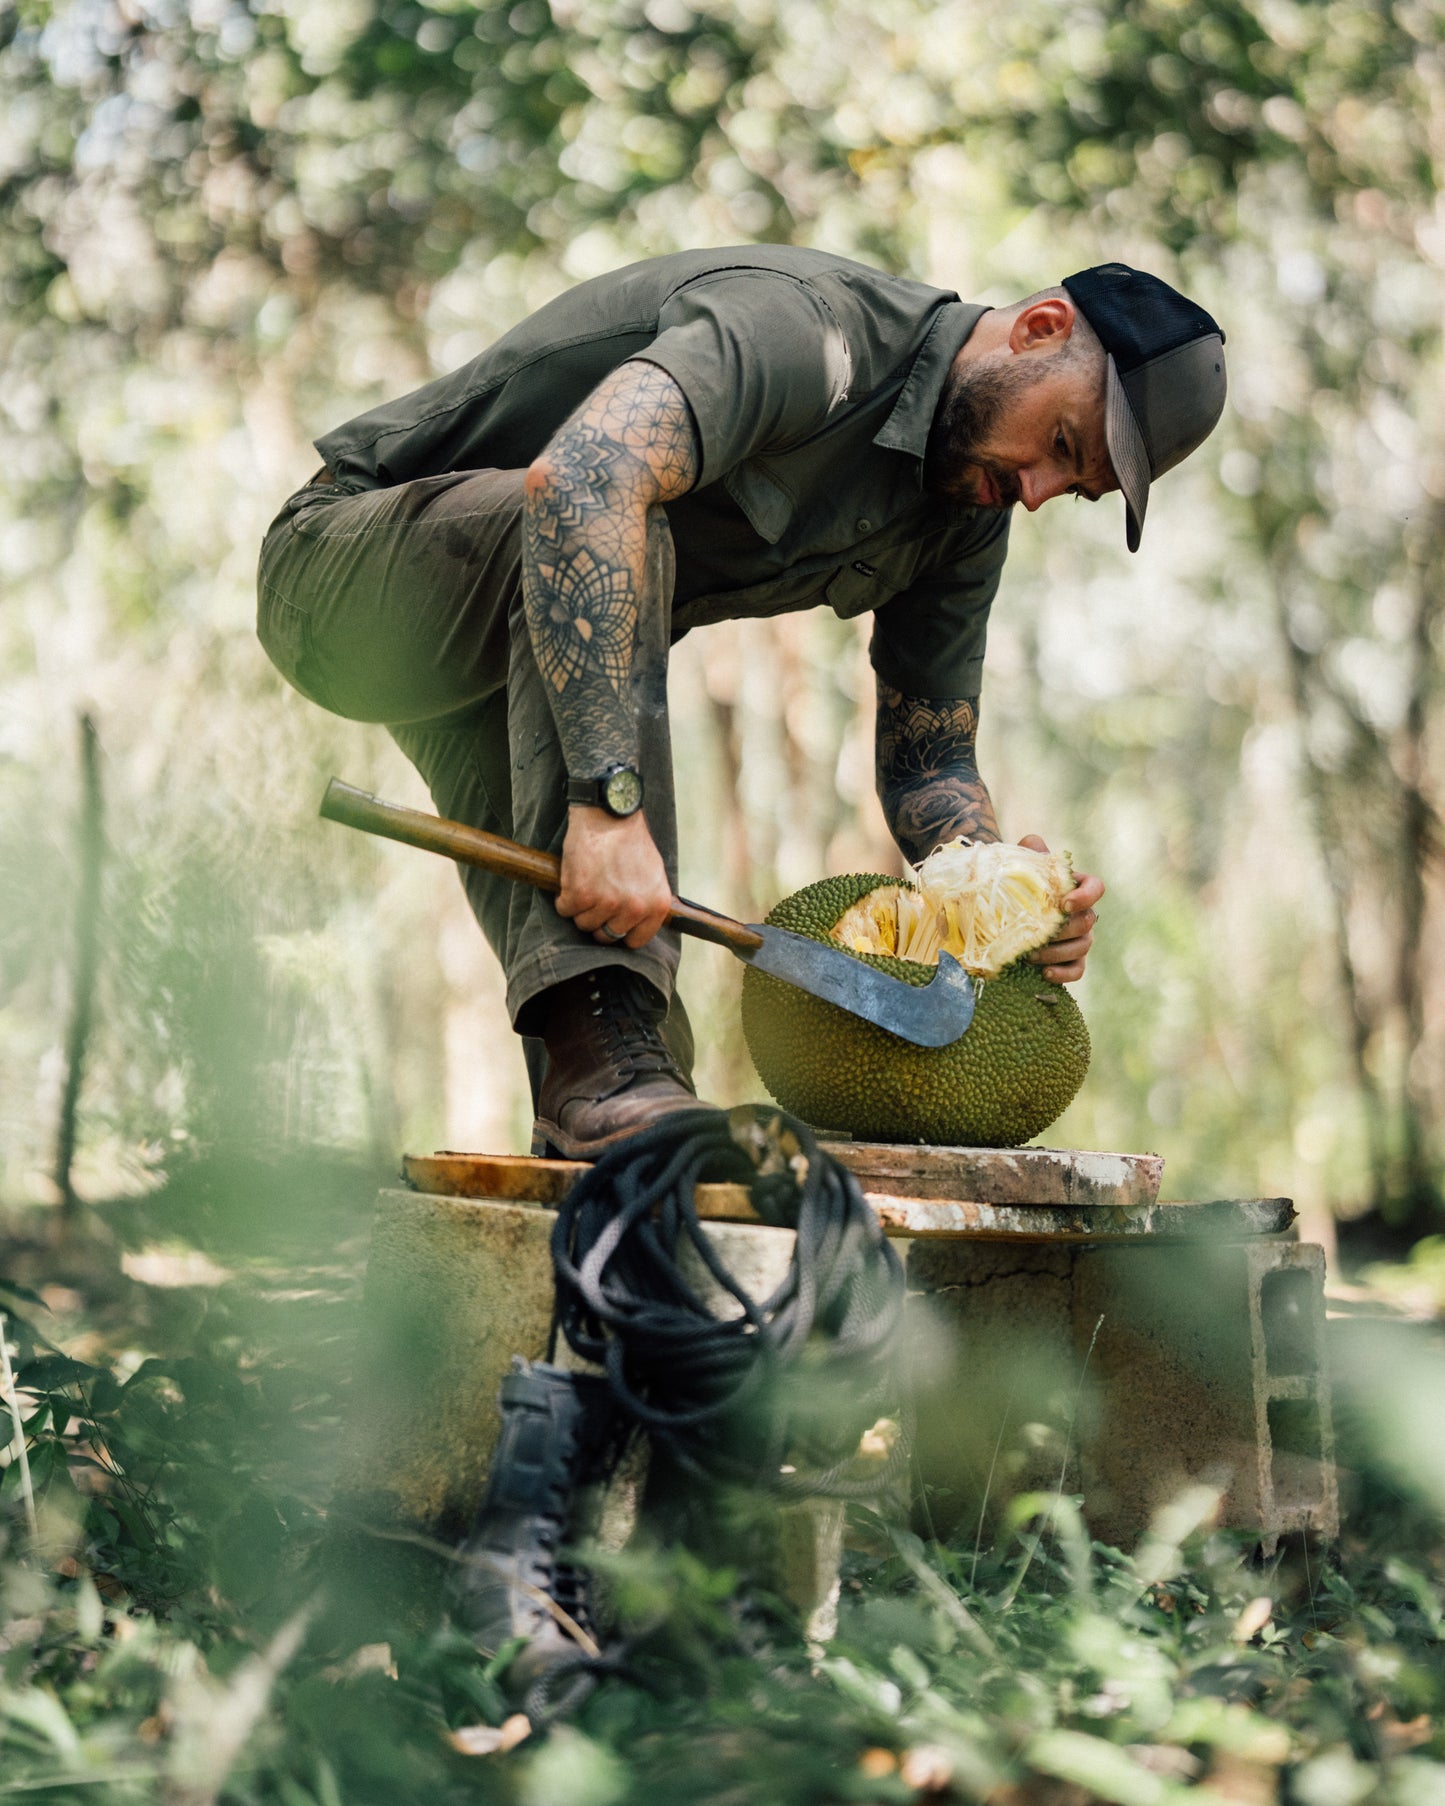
(1127, 454)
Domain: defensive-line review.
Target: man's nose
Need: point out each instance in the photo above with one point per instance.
(1039, 485)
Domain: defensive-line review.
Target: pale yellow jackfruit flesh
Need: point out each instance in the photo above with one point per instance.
(987, 905)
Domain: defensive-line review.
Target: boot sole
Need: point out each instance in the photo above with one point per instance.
(552, 1143)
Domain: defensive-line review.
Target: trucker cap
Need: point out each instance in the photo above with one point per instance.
(1165, 360)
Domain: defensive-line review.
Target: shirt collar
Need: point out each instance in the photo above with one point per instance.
(907, 428)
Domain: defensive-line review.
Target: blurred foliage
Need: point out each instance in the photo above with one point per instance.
(225, 226)
(176, 1632)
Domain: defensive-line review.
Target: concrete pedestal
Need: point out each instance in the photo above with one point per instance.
(1072, 1326)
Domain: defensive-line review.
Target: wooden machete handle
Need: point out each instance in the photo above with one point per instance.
(506, 858)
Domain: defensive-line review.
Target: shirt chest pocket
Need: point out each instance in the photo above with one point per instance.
(763, 498)
(858, 588)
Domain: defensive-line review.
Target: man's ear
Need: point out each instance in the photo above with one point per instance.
(1043, 325)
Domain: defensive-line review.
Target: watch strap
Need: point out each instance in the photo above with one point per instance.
(587, 791)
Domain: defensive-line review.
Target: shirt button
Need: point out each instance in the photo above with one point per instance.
(864, 525)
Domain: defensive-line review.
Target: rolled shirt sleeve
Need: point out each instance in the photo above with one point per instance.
(929, 639)
(761, 359)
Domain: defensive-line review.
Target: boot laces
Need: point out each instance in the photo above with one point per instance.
(571, 1591)
(631, 1021)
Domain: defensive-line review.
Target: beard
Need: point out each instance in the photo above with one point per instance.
(975, 399)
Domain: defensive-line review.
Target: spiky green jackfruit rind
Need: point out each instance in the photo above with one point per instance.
(1016, 1070)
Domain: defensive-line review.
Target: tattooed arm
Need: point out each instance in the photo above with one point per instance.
(930, 789)
(928, 780)
(629, 448)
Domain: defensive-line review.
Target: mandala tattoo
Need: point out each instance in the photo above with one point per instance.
(927, 771)
(587, 627)
(630, 447)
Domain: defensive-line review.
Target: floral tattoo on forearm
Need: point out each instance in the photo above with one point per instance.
(631, 446)
(927, 772)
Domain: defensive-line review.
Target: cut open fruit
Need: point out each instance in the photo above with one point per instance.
(1008, 1077)
(986, 904)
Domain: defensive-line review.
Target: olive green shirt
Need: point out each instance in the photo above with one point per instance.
(813, 382)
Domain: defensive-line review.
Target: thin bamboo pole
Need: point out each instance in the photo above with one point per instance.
(12, 1399)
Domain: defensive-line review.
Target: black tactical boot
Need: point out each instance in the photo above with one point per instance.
(559, 1431)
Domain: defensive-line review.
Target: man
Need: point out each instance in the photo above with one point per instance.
(495, 565)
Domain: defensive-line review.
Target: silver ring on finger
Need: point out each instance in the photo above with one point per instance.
(607, 932)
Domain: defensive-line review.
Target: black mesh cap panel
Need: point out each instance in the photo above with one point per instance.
(1136, 316)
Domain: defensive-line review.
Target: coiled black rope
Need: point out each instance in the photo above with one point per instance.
(778, 1394)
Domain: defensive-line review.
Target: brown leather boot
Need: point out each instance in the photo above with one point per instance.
(609, 1069)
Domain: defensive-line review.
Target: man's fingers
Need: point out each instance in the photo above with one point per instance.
(619, 914)
(1077, 924)
(1061, 952)
(646, 928)
(575, 904)
(624, 927)
(618, 920)
(591, 916)
(1086, 893)
(1065, 975)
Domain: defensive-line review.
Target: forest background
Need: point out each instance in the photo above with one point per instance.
(226, 227)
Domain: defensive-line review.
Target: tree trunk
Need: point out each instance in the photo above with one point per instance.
(1359, 1020)
(1418, 1193)
(90, 842)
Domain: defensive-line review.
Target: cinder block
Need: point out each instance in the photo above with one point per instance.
(1294, 1421)
(1166, 1363)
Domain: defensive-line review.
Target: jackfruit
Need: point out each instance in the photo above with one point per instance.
(1024, 1056)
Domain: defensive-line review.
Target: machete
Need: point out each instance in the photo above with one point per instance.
(930, 1015)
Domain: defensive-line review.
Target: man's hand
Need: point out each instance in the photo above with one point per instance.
(614, 884)
(1063, 957)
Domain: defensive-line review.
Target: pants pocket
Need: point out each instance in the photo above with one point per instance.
(285, 634)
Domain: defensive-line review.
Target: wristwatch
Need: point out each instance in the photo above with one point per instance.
(618, 790)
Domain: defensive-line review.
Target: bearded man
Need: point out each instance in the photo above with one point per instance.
(496, 564)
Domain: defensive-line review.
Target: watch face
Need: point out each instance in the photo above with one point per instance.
(623, 790)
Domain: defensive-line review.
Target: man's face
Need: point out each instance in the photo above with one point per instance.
(1015, 428)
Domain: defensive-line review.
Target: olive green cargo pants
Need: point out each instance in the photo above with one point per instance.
(404, 606)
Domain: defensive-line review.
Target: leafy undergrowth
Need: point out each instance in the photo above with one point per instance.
(180, 1628)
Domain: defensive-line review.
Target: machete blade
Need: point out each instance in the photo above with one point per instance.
(930, 1015)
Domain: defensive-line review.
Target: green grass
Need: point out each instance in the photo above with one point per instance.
(180, 1630)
